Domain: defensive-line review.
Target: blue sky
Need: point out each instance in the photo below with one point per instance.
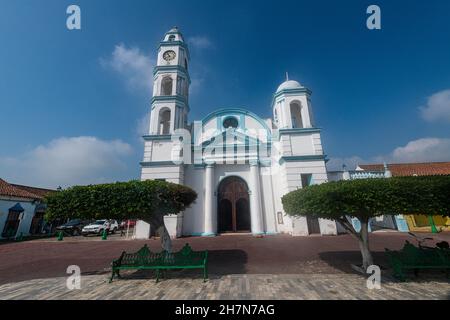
(73, 104)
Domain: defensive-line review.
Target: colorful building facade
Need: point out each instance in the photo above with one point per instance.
(404, 223)
(21, 210)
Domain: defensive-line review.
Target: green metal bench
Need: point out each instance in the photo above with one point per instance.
(414, 258)
(144, 259)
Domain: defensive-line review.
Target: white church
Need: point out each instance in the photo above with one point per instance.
(239, 163)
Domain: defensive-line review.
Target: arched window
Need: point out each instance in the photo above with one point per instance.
(296, 115)
(164, 121)
(166, 86)
(172, 37)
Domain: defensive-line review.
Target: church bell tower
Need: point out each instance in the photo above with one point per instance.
(169, 103)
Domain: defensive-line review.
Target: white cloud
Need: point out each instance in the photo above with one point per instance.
(200, 42)
(143, 125)
(133, 65)
(197, 82)
(422, 150)
(69, 161)
(438, 107)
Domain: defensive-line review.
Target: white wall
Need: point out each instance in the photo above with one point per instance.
(170, 173)
(289, 179)
(194, 217)
(142, 230)
(294, 169)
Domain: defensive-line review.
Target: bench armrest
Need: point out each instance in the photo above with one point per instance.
(118, 262)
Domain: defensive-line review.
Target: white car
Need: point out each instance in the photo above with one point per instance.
(97, 227)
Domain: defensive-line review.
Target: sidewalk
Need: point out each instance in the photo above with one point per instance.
(234, 287)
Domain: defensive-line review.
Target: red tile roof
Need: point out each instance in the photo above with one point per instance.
(37, 191)
(411, 169)
(15, 190)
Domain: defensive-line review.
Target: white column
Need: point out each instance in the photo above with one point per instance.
(255, 200)
(284, 116)
(209, 201)
(172, 120)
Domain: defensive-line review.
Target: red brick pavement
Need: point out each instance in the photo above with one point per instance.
(230, 254)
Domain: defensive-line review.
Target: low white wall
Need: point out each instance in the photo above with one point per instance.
(299, 226)
(142, 230)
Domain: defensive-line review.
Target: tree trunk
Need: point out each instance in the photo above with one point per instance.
(166, 242)
(364, 244)
(157, 222)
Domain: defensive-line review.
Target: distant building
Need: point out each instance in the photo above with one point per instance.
(409, 169)
(21, 210)
(400, 222)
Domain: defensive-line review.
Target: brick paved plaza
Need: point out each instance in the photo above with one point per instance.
(233, 287)
(240, 267)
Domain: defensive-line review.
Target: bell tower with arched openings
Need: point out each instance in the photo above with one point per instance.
(171, 81)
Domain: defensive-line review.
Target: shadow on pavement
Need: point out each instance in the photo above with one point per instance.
(342, 260)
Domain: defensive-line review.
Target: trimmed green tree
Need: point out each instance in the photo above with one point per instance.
(148, 200)
(368, 198)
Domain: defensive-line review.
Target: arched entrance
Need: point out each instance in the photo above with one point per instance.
(233, 208)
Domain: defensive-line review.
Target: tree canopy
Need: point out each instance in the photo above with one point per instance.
(120, 200)
(368, 198)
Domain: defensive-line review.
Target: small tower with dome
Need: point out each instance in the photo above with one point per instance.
(292, 106)
(302, 159)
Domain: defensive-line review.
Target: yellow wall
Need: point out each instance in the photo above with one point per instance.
(420, 222)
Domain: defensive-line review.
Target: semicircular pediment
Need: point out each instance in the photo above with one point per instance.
(243, 121)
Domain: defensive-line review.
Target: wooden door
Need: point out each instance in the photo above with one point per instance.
(313, 225)
(233, 206)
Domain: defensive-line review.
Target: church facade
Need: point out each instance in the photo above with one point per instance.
(239, 163)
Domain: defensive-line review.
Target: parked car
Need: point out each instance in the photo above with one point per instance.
(124, 224)
(73, 227)
(113, 226)
(98, 226)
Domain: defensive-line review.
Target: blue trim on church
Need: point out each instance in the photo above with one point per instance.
(302, 158)
(152, 137)
(172, 68)
(295, 91)
(290, 91)
(157, 163)
(299, 130)
(176, 97)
